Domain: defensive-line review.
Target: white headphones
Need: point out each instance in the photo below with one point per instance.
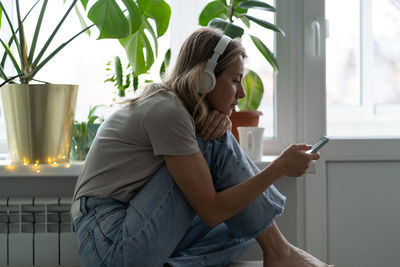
(209, 76)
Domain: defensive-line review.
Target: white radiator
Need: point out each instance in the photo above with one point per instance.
(37, 232)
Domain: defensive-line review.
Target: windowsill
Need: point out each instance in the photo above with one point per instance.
(74, 168)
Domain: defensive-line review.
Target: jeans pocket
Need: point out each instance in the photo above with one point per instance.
(88, 252)
(110, 225)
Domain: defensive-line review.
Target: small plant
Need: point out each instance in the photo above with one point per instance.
(84, 133)
(124, 77)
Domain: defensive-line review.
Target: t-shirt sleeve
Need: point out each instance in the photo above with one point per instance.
(171, 129)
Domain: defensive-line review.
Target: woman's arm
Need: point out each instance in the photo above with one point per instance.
(192, 175)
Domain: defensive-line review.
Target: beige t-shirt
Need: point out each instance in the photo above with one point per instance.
(129, 145)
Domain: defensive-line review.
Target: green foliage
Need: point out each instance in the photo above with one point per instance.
(133, 30)
(122, 78)
(27, 65)
(84, 133)
(129, 21)
(254, 88)
(215, 9)
(223, 16)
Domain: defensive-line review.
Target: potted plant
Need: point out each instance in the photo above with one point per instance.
(39, 118)
(84, 133)
(125, 79)
(249, 114)
(227, 16)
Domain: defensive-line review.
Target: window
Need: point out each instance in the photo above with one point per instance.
(363, 68)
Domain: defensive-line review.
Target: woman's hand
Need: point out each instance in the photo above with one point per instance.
(216, 126)
(294, 161)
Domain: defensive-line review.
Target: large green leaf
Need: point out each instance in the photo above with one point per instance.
(239, 10)
(1, 14)
(227, 27)
(245, 21)
(257, 5)
(159, 11)
(268, 55)
(134, 15)
(134, 46)
(265, 24)
(253, 86)
(138, 48)
(148, 26)
(109, 18)
(212, 10)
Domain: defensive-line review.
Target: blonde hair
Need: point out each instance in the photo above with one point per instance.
(186, 78)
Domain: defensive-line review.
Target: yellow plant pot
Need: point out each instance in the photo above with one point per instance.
(39, 120)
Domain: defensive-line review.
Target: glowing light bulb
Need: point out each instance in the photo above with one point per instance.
(37, 171)
(10, 167)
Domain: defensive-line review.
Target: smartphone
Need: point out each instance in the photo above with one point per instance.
(318, 145)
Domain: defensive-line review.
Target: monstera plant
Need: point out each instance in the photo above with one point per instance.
(231, 16)
(130, 27)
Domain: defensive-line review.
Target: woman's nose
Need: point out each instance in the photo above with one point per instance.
(240, 93)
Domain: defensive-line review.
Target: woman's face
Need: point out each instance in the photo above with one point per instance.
(228, 88)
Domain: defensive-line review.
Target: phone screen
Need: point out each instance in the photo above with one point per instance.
(318, 145)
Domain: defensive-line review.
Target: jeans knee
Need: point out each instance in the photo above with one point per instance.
(226, 138)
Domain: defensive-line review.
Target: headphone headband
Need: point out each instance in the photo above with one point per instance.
(212, 62)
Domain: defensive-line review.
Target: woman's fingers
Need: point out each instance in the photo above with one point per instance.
(223, 126)
(215, 126)
(294, 161)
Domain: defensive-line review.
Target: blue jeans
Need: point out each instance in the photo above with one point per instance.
(158, 226)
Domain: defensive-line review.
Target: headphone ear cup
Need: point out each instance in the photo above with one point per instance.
(209, 81)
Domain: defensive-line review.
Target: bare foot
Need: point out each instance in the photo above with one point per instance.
(278, 252)
(294, 257)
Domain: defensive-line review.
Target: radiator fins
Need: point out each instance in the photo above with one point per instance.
(37, 232)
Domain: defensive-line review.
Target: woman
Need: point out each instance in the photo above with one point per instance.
(165, 183)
